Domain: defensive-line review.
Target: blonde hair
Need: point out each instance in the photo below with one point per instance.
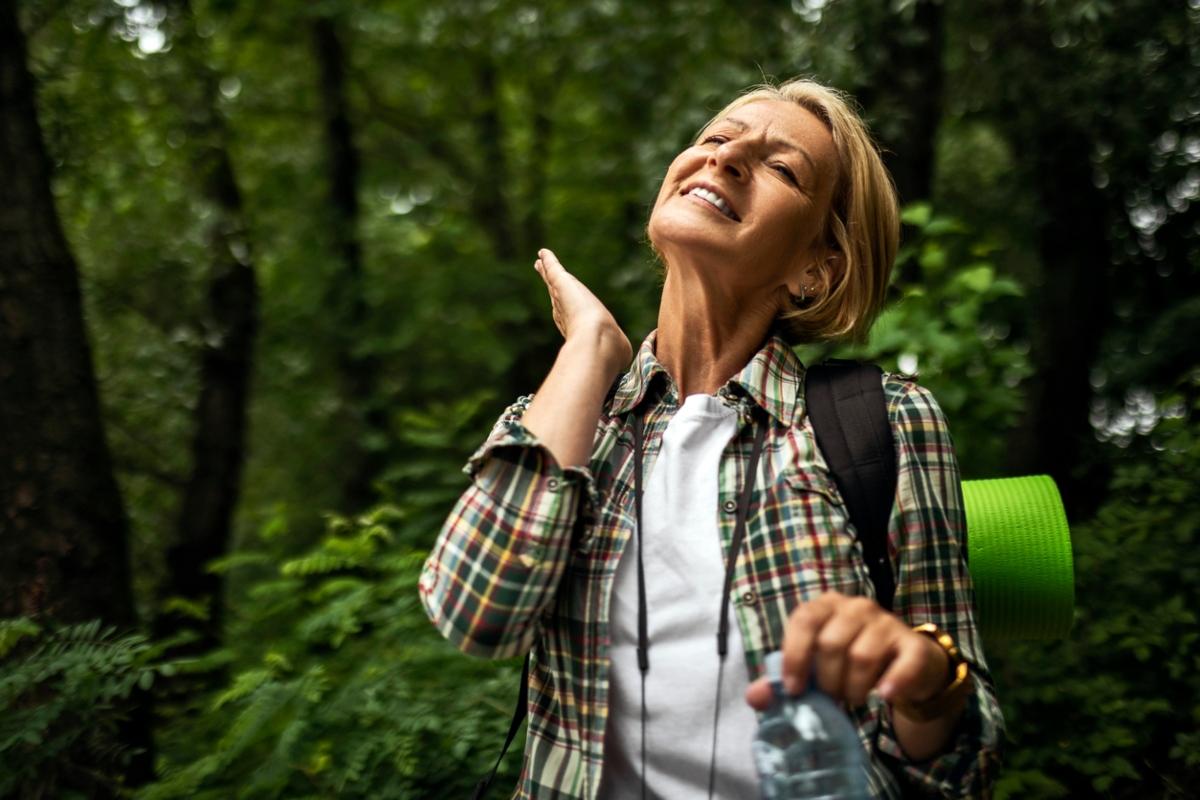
(863, 225)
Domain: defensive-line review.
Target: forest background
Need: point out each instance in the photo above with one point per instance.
(266, 281)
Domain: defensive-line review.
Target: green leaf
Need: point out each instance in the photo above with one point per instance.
(977, 279)
(916, 214)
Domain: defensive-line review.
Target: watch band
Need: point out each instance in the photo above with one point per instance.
(960, 680)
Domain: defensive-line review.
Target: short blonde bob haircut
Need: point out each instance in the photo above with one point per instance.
(863, 226)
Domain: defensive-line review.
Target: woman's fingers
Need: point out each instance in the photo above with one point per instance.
(866, 658)
(919, 669)
(550, 260)
(850, 645)
(579, 314)
(758, 694)
(571, 300)
(551, 271)
(799, 638)
(832, 648)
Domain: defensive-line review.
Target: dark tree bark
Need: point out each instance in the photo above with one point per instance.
(1071, 311)
(1070, 300)
(904, 93)
(363, 408)
(64, 550)
(219, 438)
(489, 203)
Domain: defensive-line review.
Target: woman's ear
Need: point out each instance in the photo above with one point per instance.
(835, 265)
(814, 279)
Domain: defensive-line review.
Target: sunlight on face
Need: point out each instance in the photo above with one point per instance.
(750, 197)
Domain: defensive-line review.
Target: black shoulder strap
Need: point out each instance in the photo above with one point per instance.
(514, 726)
(849, 416)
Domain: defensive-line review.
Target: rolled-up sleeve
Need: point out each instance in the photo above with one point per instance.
(497, 562)
(927, 536)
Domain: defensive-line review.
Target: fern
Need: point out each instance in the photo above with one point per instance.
(341, 706)
(62, 692)
(342, 687)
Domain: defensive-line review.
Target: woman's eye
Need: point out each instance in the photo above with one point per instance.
(715, 139)
(785, 171)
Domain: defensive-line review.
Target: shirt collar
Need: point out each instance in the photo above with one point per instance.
(634, 383)
(771, 378)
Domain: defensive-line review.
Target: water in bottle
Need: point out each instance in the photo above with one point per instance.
(806, 747)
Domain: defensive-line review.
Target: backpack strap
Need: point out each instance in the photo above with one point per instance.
(849, 416)
(518, 717)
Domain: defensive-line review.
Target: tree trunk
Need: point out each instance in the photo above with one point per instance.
(366, 423)
(64, 551)
(1071, 307)
(1070, 300)
(219, 439)
(904, 96)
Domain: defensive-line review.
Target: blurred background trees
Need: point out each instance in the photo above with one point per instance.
(303, 237)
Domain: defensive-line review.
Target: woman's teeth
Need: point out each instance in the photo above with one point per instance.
(714, 199)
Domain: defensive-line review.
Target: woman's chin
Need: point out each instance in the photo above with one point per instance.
(689, 238)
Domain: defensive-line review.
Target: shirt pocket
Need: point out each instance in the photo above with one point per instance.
(801, 545)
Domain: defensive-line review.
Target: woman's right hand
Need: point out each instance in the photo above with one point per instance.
(580, 316)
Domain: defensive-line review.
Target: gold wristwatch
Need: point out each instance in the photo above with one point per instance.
(960, 680)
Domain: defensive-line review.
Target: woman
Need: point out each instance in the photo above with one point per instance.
(777, 225)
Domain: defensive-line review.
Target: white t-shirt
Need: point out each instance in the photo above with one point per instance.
(684, 564)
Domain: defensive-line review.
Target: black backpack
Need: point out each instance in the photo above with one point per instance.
(850, 419)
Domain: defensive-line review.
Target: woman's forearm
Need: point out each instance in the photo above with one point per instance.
(512, 525)
(564, 412)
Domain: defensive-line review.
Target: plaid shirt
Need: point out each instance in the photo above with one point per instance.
(528, 555)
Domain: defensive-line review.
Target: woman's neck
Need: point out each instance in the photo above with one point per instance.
(707, 333)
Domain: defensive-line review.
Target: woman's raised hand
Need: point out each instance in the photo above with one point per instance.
(579, 314)
(565, 409)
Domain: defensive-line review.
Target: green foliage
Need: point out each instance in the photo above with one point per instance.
(1113, 711)
(947, 323)
(64, 692)
(485, 131)
(354, 698)
(354, 694)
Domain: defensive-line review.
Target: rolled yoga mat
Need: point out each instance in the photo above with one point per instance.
(1019, 553)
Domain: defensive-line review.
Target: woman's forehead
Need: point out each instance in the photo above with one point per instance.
(786, 124)
(780, 116)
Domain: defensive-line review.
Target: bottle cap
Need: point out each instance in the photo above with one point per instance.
(774, 665)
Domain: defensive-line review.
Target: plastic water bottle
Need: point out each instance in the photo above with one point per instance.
(806, 747)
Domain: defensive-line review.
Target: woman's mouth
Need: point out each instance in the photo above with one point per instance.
(715, 200)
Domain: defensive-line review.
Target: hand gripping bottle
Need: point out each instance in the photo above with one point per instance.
(806, 747)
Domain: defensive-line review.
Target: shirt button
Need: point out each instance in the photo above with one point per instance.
(552, 484)
(749, 598)
(729, 506)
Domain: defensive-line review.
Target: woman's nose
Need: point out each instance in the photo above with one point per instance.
(728, 158)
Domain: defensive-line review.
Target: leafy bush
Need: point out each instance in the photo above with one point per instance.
(1113, 711)
(63, 693)
(355, 693)
(947, 322)
(357, 696)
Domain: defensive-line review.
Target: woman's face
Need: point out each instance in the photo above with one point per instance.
(750, 196)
